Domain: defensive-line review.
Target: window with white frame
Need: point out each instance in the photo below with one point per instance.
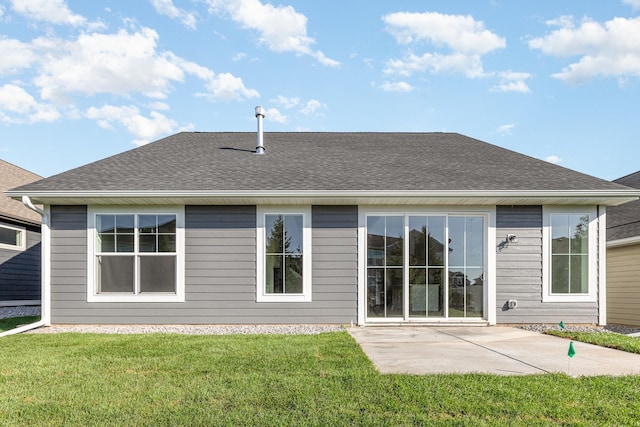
(136, 255)
(12, 237)
(284, 255)
(425, 265)
(570, 248)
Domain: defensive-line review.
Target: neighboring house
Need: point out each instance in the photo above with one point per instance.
(19, 242)
(368, 228)
(623, 259)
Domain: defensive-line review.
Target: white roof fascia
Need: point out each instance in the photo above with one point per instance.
(608, 197)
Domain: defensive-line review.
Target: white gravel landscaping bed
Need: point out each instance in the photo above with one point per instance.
(21, 311)
(6, 312)
(191, 329)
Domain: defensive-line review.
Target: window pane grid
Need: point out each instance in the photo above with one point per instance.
(138, 239)
(569, 253)
(426, 237)
(385, 282)
(444, 264)
(284, 254)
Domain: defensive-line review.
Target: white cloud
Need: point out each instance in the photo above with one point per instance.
(159, 106)
(322, 58)
(506, 130)
(287, 102)
(611, 49)
(553, 159)
(308, 108)
(457, 32)
(224, 86)
(470, 65)
(396, 87)
(312, 107)
(239, 56)
(513, 82)
(228, 87)
(125, 64)
(280, 28)
(274, 115)
(144, 129)
(463, 39)
(635, 4)
(16, 101)
(52, 11)
(15, 55)
(167, 8)
(120, 64)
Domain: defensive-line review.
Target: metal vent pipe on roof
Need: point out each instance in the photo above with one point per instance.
(260, 116)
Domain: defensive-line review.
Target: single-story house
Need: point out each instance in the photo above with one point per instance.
(623, 259)
(19, 242)
(330, 228)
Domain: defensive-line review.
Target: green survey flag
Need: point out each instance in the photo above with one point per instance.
(562, 325)
(571, 352)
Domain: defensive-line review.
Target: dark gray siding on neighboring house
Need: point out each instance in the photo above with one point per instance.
(220, 272)
(519, 272)
(20, 270)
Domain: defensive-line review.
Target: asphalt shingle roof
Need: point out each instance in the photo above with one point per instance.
(12, 176)
(194, 161)
(624, 221)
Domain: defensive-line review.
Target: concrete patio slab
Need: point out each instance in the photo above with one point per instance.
(492, 350)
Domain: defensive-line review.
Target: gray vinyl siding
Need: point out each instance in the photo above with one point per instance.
(68, 264)
(220, 272)
(20, 270)
(519, 273)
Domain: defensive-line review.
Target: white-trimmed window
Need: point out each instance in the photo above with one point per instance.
(569, 252)
(12, 237)
(283, 254)
(136, 254)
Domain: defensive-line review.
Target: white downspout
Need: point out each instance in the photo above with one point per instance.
(45, 303)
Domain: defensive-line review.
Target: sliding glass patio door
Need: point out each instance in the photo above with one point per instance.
(425, 266)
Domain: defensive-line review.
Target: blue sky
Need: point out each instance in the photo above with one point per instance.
(557, 80)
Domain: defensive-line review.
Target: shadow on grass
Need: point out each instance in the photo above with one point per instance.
(14, 322)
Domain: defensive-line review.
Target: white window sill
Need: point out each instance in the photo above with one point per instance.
(569, 298)
(135, 298)
(12, 247)
(284, 298)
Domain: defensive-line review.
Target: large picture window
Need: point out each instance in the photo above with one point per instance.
(136, 256)
(570, 247)
(284, 255)
(12, 237)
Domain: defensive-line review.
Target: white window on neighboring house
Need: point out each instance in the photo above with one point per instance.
(12, 237)
(283, 255)
(136, 255)
(569, 251)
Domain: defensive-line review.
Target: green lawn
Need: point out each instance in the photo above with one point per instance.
(13, 322)
(603, 339)
(169, 379)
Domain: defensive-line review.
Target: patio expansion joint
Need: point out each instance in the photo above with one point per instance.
(493, 351)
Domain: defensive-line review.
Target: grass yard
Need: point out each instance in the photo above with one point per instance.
(14, 322)
(168, 380)
(603, 339)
